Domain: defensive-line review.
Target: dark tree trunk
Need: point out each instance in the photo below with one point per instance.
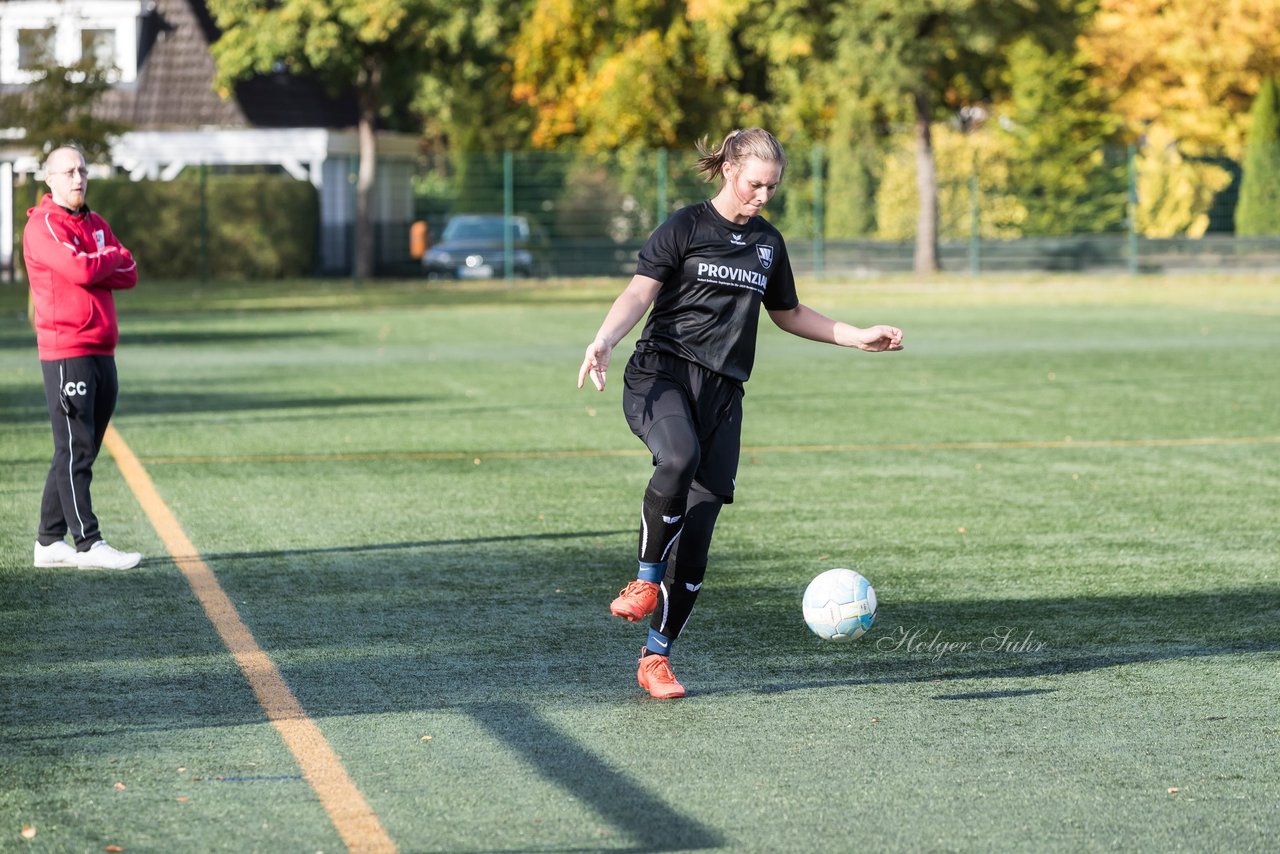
(926, 257)
(370, 94)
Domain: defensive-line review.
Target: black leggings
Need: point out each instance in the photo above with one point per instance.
(691, 420)
(676, 456)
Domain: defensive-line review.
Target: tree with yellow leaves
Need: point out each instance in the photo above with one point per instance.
(1191, 66)
(640, 72)
(1182, 75)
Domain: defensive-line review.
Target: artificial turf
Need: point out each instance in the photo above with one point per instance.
(1063, 491)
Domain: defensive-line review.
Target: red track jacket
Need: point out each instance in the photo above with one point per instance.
(74, 263)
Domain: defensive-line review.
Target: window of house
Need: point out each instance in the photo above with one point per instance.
(100, 46)
(40, 33)
(35, 47)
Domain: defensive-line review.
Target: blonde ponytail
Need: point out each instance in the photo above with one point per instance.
(736, 147)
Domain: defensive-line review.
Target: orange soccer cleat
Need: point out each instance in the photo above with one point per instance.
(656, 677)
(635, 601)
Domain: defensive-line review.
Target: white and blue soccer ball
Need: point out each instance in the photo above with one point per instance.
(839, 605)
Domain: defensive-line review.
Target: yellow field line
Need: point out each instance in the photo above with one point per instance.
(375, 456)
(321, 766)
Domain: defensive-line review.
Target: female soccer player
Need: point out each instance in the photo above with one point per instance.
(705, 271)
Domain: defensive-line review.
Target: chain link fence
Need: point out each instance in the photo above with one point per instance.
(847, 212)
(855, 212)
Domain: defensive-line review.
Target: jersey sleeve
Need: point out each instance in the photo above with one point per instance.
(661, 257)
(126, 275)
(780, 292)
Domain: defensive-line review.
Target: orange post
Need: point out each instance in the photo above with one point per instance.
(419, 238)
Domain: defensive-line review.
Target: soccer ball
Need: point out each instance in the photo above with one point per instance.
(839, 605)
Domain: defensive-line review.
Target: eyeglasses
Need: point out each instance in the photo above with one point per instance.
(67, 173)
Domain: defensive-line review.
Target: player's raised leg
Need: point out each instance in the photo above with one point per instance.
(661, 519)
(676, 454)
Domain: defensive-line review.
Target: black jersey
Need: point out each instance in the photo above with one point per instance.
(715, 274)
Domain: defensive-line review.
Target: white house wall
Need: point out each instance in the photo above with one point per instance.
(6, 216)
(395, 191)
(68, 20)
(337, 212)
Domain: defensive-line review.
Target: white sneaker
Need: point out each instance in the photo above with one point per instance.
(55, 554)
(102, 556)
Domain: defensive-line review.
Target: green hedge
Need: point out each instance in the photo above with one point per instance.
(1258, 213)
(258, 226)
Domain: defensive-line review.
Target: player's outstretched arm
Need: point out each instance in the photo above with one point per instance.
(804, 322)
(625, 313)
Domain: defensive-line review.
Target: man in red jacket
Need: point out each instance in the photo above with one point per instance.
(74, 265)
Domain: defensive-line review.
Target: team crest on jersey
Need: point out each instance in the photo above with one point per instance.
(100, 237)
(765, 253)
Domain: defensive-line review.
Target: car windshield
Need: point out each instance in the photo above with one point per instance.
(480, 228)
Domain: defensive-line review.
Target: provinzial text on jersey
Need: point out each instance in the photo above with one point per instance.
(733, 274)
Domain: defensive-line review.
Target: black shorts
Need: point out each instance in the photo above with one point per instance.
(658, 386)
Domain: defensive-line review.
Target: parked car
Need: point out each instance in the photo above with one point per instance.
(471, 246)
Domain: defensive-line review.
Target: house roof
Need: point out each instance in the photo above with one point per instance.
(174, 86)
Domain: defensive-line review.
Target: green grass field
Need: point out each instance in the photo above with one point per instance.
(422, 522)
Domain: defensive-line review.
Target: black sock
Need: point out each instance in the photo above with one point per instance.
(661, 520)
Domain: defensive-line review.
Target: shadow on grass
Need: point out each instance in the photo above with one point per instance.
(982, 668)
(23, 405)
(647, 820)
(995, 695)
(25, 337)
(411, 546)
(19, 340)
(948, 641)
(28, 405)
(498, 627)
(394, 627)
(144, 403)
(219, 338)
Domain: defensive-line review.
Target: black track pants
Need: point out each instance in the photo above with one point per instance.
(81, 393)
